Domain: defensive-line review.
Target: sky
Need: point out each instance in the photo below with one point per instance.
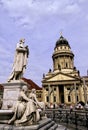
(40, 23)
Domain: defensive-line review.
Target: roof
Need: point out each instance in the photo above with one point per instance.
(31, 84)
(61, 77)
(62, 41)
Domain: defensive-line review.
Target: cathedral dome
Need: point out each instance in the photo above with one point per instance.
(62, 41)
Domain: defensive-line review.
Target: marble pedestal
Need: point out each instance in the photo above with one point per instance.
(11, 93)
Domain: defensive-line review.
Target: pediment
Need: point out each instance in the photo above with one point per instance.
(60, 77)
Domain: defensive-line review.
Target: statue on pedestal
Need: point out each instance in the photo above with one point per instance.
(17, 108)
(20, 61)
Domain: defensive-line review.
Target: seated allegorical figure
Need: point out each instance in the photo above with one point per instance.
(25, 110)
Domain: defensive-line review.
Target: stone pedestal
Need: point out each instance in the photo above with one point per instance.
(11, 93)
(5, 115)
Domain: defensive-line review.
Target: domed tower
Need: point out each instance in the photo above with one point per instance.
(63, 58)
(64, 79)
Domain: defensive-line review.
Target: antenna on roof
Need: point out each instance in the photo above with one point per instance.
(61, 32)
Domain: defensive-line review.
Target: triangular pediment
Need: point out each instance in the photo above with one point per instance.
(61, 77)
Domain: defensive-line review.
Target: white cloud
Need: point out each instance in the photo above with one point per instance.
(87, 17)
(28, 13)
(82, 1)
(72, 9)
(20, 7)
(2, 46)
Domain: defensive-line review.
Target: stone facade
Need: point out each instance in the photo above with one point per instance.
(63, 84)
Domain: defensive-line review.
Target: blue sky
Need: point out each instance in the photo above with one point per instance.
(40, 23)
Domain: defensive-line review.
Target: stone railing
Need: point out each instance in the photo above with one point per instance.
(77, 118)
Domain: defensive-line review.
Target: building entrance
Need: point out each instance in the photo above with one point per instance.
(61, 93)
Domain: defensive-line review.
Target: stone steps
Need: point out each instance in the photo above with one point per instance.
(54, 127)
(45, 124)
(6, 115)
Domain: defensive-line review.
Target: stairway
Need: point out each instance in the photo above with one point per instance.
(45, 124)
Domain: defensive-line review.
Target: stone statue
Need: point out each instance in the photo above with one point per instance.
(31, 114)
(20, 61)
(26, 109)
(20, 106)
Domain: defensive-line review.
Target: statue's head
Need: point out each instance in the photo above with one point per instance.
(22, 41)
(33, 90)
(24, 88)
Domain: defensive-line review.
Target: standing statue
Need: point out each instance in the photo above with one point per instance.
(20, 61)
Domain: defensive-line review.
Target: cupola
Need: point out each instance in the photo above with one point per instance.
(63, 57)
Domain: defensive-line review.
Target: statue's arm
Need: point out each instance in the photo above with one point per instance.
(21, 49)
(24, 96)
(37, 101)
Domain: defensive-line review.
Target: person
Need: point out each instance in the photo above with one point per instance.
(64, 106)
(71, 108)
(20, 61)
(86, 106)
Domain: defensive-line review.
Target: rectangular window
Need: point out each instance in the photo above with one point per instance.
(54, 89)
(47, 89)
(69, 99)
(47, 98)
(68, 88)
(76, 88)
(54, 98)
(39, 96)
(77, 99)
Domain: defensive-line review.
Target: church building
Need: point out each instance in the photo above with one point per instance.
(63, 84)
